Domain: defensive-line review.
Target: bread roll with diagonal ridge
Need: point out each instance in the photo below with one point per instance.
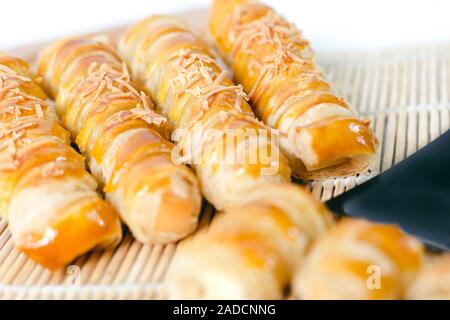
(206, 108)
(250, 251)
(47, 196)
(433, 281)
(359, 260)
(125, 141)
(321, 135)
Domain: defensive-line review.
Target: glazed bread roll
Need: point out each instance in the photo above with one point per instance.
(359, 260)
(320, 134)
(433, 281)
(250, 251)
(211, 117)
(114, 125)
(49, 199)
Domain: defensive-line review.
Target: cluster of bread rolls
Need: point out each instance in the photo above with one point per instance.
(199, 100)
(114, 125)
(268, 231)
(47, 196)
(271, 235)
(320, 134)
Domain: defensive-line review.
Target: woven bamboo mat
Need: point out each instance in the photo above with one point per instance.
(404, 91)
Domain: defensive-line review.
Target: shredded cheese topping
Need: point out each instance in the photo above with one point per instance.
(107, 83)
(139, 112)
(197, 77)
(14, 102)
(269, 30)
(10, 73)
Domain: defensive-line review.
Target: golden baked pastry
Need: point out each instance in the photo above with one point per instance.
(50, 200)
(359, 260)
(321, 135)
(114, 125)
(206, 109)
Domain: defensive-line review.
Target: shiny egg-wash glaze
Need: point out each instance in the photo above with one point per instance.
(47, 196)
(191, 90)
(115, 127)
(321, 135)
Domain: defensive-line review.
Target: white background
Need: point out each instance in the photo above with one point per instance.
(330, 25)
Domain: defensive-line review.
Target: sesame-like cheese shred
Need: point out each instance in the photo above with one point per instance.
(117, 85)
(192, 73)
(11, 104)
(197, 76)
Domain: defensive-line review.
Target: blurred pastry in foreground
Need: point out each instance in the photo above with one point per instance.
(359, 260)
(252, 250)
(47, 196)
(320, 133)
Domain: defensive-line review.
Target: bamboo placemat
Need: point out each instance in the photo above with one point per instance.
(404, 91)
